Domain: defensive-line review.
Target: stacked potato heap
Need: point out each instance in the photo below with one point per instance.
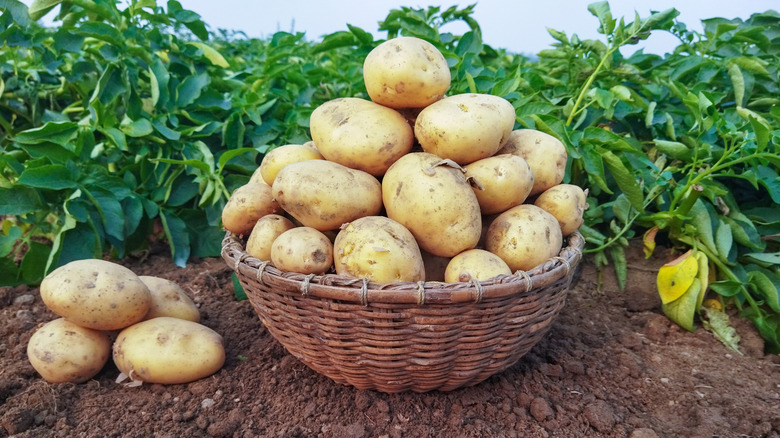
(363, 200)
(161, 339)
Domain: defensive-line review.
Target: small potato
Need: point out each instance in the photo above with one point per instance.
(324, 195)
(379, 249)
(506, 181)
(169, 299)
(524, 236)
(275, 159)
(544, 153)
(475, 264)
(360, 134)
(303, 250)
(266, 230)
(406, 72)
(96, 294)
(465, 127)
(61, 351)
(168, 350)
(567, 203)
(246, 205)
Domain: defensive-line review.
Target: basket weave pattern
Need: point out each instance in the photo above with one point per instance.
(406, 336)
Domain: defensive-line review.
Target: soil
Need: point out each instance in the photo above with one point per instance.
(611, 366)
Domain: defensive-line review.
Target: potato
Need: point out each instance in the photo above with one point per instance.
(168, 350)
(506, 181)
(303, 250)
(96, 294)
(544, 153)
(567, 203)
(475, 264)
(406, 72)
(524, 236)
(324, 195)
(465, 127)
(379, 249)
(169, 299)
(276, 158)
(246, 205)
(360, 134)
(433, 201)
(61, 351)
(266, 230)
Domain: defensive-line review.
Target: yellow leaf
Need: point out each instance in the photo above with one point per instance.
(683, 309)
(211, 53)
(703, 275)
(649, 241)
(675, 277)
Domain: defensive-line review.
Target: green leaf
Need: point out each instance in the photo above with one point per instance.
(19, 201)
(602, 12)
(60, 133)
(230, 154)
(744, 232)
(190, 89)
(761, 126)
(764, 259)
(737, 82)
(766, 288)
(700, 218)
(723, 239)
(137, 128)
(178, 238)
(717, 322)
(211, 54)
(674, 149)
(101, 31)
(727, 288)
(618, 256)
(336, 40)
(18, 10)
(34, 262)
(39, 8)
(116, 136)
(769, 178)
(9, 273)
(50, 176)
(594, 166)
(7, 242)
(625, 180)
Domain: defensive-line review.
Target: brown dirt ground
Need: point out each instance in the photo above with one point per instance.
(611, 366)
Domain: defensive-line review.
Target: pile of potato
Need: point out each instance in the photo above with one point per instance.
(412, 185)
(155, 327)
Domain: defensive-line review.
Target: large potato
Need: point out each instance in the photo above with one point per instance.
(96, 294)
(61, 351)
(360, 134)
(168, 350)
(276, 158)
(406, 72)
(475, 264)
(544, 153)
(266, 230)
(303, 250)
(506, 181)
(379, 249)
(246, 205)
(524, 236)
(433, 201)
(567, 203)
(465, 127)
(169, 299)
(324, 195)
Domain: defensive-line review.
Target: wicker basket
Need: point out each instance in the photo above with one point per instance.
(406, 336)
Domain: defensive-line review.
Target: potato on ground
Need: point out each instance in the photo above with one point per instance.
(567, 202)
(96, 294)
(524, 236)
(434, 201)
(266, 230)
(406, 72)
(465, 127)
(324, 195)
(246, 205)
(61, 351)
(304, 250)
(379, 249)
(505, 180)
(475, 264)
(169, 299)
(360, 134)
(277, 158)
(168, 350)
(544, 153)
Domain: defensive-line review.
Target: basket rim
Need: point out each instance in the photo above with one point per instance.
(349, 289)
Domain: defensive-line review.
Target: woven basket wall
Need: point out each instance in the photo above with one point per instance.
(406, 336)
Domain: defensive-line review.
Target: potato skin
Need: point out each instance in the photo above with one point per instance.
(304, 250)
(435, 203)
(168, 350)
(265, 231)
(360, 134)
(567, 203)
(277, 158)
(475, 264)
(96, 294)
(246, 205)
(61, 351)
(324, 195)
(506, 179)
(379, 249)
(406, 72)
(544, 153)
(169, 299)
(465, 127)
(524, 236)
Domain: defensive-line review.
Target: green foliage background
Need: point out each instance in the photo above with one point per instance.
(131, 123)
